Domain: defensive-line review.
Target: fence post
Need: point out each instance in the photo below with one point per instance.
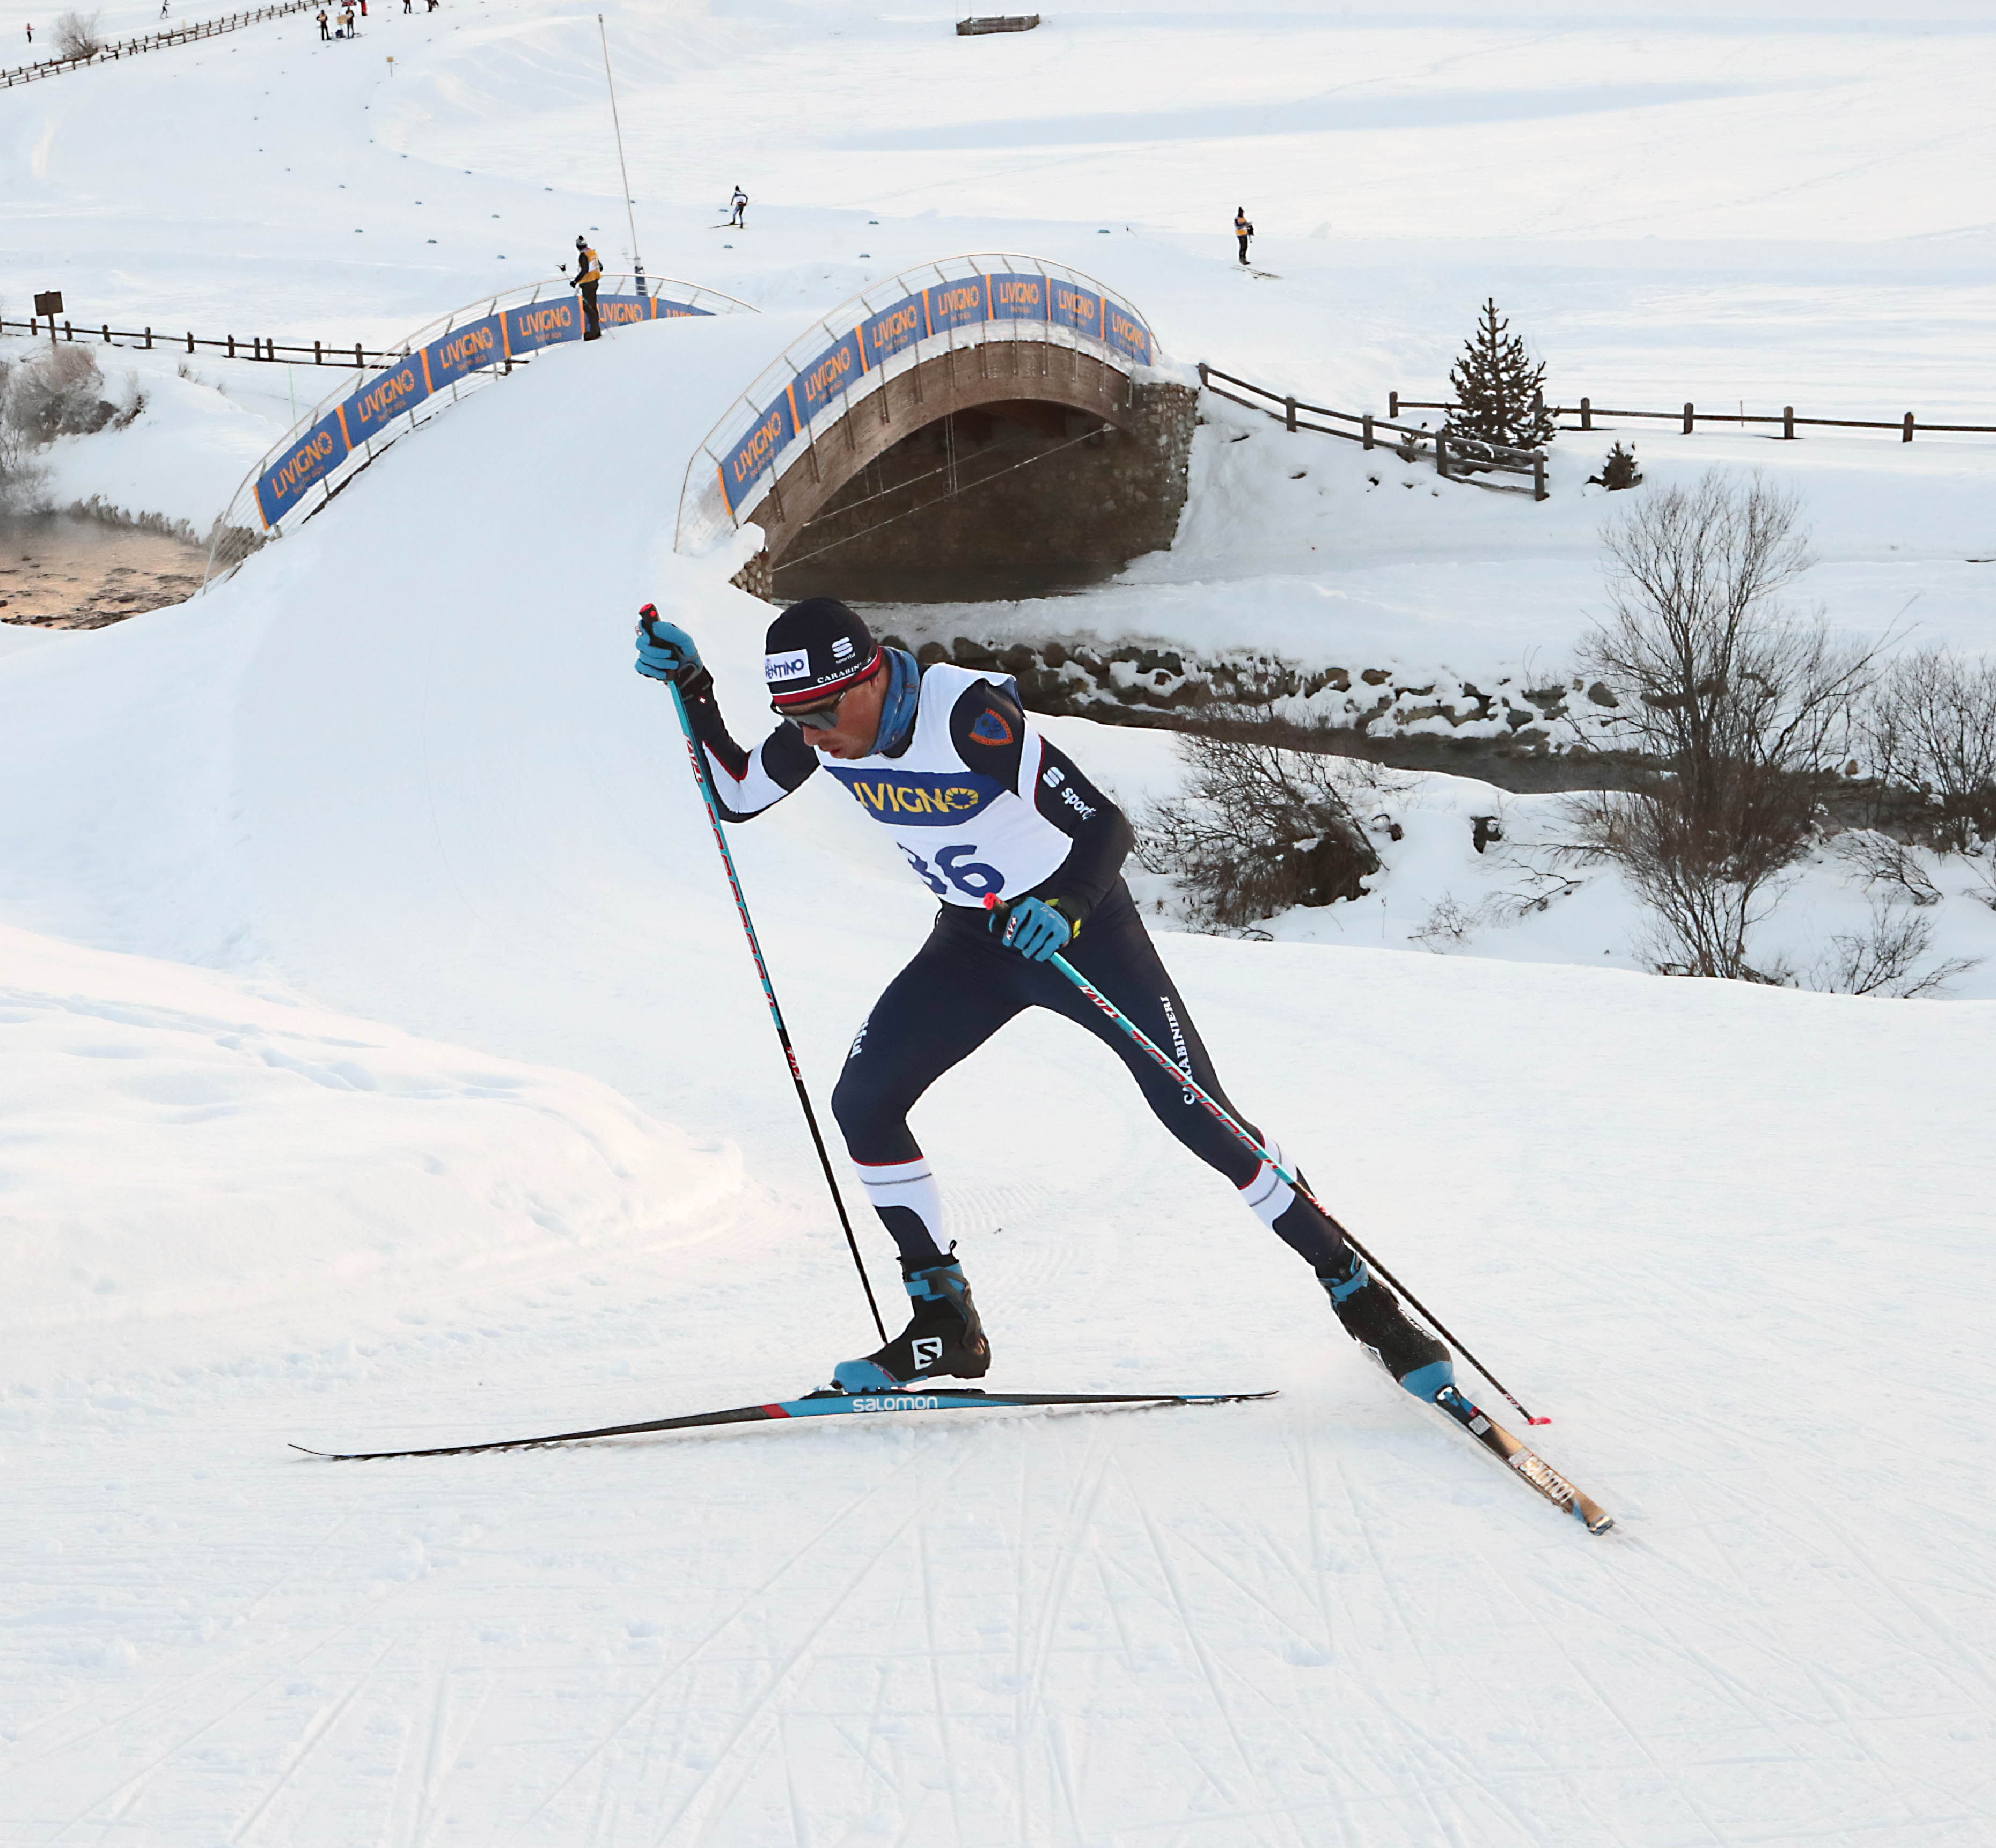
(1392, 407)
(69, 332)
(107, 342)
(357, 360)
(1687, 419)
(1365, 425)
(1441, 455)
(1539, 489)
(149, 339)
(231, 346)
(1289, 414)
(1203, 381)
(189, 340)
(1587, 414)
(1907, 435)
(1788, 423)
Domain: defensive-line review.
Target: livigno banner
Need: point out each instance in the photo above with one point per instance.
(467, 347)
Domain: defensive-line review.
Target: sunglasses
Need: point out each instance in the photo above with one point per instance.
(819, 718)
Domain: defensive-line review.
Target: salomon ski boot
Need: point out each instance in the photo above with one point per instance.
(945, 1337)
(1372, 1316)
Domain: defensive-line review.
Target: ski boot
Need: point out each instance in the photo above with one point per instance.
(1371, 1315)
(945, 1337)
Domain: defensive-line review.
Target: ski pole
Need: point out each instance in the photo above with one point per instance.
(647, 615)
(1226, 1121)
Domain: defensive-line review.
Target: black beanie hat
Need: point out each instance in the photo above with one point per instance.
(817, 649)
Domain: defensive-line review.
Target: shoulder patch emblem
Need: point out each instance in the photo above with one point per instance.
(991, 728)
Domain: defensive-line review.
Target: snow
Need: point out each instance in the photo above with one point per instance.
(384, 1064)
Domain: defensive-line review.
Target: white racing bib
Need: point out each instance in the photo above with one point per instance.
(967, 834)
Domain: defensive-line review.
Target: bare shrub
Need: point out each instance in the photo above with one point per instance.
(1258, 829)
(1704, 898)
(1885, 958)
(1447, 923)
(1741, 703)
(77, 34)
(1880, 860)
(59, 392)
(1931, 724)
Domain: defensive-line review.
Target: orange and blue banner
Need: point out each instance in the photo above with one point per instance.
(964, 303)
(752, 457)
(537, 324)
(312, 458)
(827, 377)
(1017, 297)
(384, 397)
(1069, 305)
(883, 335)
(1122, 330)
(465, 348)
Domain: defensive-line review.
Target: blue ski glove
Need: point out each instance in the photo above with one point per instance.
(665, 651)
(1033, 927)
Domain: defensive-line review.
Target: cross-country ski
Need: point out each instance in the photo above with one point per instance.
(822, 1404)
(918, 1033)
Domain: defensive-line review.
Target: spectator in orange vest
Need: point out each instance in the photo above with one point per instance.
(1242, 229)
(588, 273)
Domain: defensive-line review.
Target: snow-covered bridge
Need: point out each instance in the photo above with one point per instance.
(983, 415)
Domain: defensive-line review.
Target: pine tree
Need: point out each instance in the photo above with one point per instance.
(1498, 391)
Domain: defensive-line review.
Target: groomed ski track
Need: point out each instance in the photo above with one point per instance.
(398, 770)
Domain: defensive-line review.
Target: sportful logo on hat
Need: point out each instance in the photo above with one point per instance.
(842, 649)
(786, 667)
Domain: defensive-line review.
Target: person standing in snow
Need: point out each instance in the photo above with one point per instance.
(739, 204)
(588, 273)
(984, 807)
(1242, 229)
(325, 29)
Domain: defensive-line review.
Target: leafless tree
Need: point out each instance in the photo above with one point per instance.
(1931, 724)
(1884, 959)
(1880, 860)
(1258, 829)
(76, 36)
(1741, 703)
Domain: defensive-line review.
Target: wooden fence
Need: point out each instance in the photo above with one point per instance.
(1688, 418)
(1455, 459)
(131, 48)
(256, 347)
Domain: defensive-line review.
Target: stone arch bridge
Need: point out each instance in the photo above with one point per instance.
(990, 425)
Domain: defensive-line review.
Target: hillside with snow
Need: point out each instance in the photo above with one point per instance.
(383, 1065)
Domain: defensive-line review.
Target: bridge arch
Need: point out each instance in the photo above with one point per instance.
(986, 416)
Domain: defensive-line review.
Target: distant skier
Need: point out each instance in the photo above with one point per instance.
(588, 273)
(737, 205)
(983, 806)
(1242, 229)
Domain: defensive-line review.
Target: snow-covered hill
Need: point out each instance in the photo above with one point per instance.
(399, 767)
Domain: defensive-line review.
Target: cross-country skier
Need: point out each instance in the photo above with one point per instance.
(1242, 229)
(983, 807)
(588, 273)
(737, 205)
